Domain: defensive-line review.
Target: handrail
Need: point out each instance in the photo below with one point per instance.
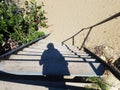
(3, 56)
(90, 28)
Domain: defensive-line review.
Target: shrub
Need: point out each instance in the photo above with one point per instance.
(98, 83)
(21, 24)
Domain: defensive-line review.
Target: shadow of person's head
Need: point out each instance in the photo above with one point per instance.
(50, 46)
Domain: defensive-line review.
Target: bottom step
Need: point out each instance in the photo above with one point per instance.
(13, 82)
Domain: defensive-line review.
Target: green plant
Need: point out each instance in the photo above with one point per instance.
(98, 83)
(1, 39)
(35, 14)
(21, 24)
(9, 19)
(34, 35)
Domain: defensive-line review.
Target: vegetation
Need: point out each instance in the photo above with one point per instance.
(20, 24)
(99, 83)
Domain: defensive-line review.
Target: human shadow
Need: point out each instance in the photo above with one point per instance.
(53, 62)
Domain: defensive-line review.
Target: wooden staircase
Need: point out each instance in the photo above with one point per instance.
(50, 58)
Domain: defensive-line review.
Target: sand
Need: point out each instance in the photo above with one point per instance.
(67, 17)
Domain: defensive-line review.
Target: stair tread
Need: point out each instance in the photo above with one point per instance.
(80, 69)
(38, 57)
(40, 53)
(42, 49)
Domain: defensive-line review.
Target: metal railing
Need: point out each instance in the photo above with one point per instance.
(89, 30)
(4, 56)
(113, 69)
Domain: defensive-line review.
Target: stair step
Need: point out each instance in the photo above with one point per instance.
(33, 57)
(29, 53)
(24, 57)
(40, 53)
(45, 45)
(33, 50)
(80, 60)
(42, 50)
(57, 46)
(44, 83)
(67, 59)
(75, 69)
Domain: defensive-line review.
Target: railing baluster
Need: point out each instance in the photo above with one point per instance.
(73, 41)
(83, 44)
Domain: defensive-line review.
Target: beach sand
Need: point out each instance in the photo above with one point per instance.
(67, 17)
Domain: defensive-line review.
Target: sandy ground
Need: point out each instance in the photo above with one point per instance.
(66, 17)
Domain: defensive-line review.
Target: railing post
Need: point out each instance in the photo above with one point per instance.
(62, 43)
(73, 40)
(83, 44)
